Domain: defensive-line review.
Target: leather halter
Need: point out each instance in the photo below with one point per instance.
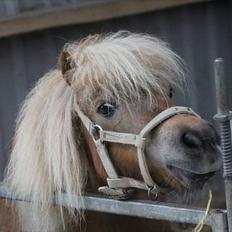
(117, 185)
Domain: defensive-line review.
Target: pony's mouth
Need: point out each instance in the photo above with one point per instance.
(191, 180)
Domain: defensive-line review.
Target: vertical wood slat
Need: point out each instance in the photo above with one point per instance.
(30, 5)
(7, 101)
(8, 8)
(2, 9)
(19, 76)
(11, 7)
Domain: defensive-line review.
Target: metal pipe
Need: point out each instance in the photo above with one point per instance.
(223, 116)
(216, 219)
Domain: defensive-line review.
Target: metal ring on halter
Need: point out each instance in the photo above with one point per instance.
(95, 132)
(149, 191)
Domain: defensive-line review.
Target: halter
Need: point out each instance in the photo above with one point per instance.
(117, 185)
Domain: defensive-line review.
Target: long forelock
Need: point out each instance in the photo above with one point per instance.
(126, 65)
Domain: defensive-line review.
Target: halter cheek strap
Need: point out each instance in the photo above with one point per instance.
(117, 186)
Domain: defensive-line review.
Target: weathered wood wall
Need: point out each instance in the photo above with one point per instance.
(27, 16)
(16, 7)
(199, 33)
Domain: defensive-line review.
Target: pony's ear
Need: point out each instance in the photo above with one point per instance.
(65, 66)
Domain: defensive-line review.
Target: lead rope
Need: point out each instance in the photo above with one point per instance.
(200, 225)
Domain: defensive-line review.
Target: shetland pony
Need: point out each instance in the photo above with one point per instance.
(120, 81)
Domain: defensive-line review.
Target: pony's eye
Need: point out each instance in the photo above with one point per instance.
(106, 109)
(171, 93)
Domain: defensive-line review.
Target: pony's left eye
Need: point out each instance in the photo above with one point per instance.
(171, 93)
(107, 109)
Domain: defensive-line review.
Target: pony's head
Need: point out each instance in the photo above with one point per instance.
(120, 82)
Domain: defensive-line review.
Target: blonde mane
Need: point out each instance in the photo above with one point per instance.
(125, 65)
(46, 157)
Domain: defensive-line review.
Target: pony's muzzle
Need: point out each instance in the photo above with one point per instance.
(193, 147)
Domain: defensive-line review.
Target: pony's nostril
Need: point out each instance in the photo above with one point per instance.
(191, 140)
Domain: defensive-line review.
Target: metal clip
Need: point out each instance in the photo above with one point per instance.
(223, 117)
(95, 132)
(152, 190)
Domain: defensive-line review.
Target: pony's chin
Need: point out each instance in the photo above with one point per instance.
(192, 191)
(194, 196)
(191, 181)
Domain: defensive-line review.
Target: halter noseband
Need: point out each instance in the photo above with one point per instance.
(117, 185)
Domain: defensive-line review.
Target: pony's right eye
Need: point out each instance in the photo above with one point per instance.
(107, 109)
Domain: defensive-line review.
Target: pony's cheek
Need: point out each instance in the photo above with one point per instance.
(155, 155)
(125, 159)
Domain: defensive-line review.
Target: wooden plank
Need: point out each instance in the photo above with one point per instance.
(82, 13)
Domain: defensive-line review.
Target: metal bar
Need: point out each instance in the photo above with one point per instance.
(223, 116)
(144, 209)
